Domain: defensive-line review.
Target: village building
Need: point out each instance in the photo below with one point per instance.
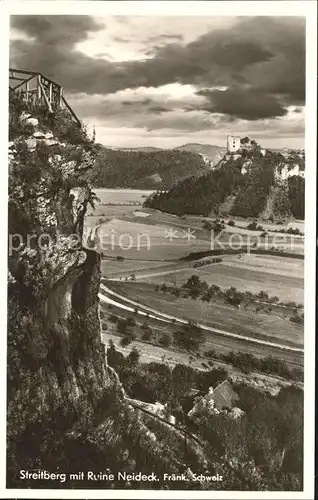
(221, 399)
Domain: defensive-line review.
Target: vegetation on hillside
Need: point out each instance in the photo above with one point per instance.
(205, 194)
(60, 123)
(146, 169)
(199, 195)
(296, 186)
(261, 450)
(253, 192)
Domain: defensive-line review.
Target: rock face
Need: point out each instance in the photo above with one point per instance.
(66, 408)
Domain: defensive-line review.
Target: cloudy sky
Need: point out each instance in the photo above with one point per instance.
(166, 81)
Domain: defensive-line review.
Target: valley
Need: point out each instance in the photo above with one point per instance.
(148, 256)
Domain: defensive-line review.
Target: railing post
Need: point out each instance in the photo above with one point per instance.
(50, 93)
(27, 91)
(60, 96)
(39, 87)
(46, 100)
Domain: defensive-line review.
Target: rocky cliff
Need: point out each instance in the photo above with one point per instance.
(67, 410)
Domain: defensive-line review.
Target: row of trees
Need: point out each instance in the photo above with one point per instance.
(194, 287)
(246, 362)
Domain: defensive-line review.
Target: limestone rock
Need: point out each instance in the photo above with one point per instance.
(31, 143)
(236, 413)
(32, 121)
(50, 142)
(24, 116)
(39, 134)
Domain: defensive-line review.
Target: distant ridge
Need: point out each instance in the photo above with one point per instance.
(211, 154)
(200, 148)
(145, 149)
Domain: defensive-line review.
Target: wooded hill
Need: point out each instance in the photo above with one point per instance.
(227, 191)
(159, 169)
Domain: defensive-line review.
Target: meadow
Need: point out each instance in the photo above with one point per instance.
(128, 230)
(113, 268)
(281, 277)
(271, 326)
(122, 195)
(136, 240)
(114, 203)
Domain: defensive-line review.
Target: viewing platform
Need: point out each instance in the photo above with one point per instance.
(35, 87)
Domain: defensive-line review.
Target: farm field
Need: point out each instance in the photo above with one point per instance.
(143, 269)
(144, 242)
(196, 222)
(112, 195)
(269, 226)
(273, 326)
(114, 203)
(112, 268)
(157, 253)
(234, 236)
(128, 230)
(152, 243)
(278, 276)
(108, 212)
(151, 353)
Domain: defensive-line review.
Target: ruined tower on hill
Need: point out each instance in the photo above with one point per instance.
(233, 143)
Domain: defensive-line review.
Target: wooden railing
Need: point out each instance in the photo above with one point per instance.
(36, 87)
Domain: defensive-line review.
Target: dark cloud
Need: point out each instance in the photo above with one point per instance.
(142, 102)
(158, 109)
(243, 103)
(260, 60)
(56, 30)
(146, 102)
(164, 38)
(176, 122)
(112, 109)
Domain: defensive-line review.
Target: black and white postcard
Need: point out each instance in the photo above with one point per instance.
(159, 180)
